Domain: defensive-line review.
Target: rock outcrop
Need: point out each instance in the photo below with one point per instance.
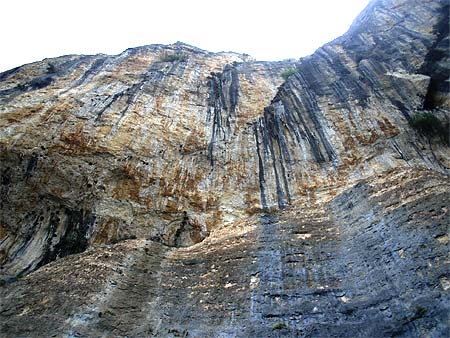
(172, 192)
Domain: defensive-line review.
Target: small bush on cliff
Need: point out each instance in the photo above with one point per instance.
(430, 126)
(279, 326)
(288, 73)
(168, 57)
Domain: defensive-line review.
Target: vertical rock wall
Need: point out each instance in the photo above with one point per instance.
(169, 191)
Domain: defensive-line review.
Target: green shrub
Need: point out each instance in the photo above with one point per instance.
(169, 57)
(420, 311)
(427, 124)
(279, 326)
(288, 73)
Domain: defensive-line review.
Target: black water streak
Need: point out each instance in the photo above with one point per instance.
(223, 97)
(262, 181)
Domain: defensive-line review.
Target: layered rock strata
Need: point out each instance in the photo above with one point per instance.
(170, 191)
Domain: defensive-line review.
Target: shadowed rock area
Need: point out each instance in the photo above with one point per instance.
(373, 261)
(172, 192)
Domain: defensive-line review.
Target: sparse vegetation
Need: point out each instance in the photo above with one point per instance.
(279, 326)
(420, 312)
(51, 69)
(172, 57)
(427, 124)
(288, 73)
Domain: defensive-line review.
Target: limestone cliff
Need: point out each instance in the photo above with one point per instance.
(169, 191)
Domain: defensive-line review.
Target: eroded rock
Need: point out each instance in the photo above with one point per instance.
(172, 192)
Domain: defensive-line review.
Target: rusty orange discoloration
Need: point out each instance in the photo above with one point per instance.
(3, 232)
(387, 127)
(135, 64)
(107, 233)
(215, 220)
(252, 200)
(158, 103)
(19, 115)
(195, 142)
(367, 138)
(172, 206)
(127, 189)
(195, 231)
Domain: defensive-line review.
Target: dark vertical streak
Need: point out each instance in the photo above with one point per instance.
(262, 180)
(222, 101)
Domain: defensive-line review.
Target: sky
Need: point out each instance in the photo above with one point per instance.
(266, 29)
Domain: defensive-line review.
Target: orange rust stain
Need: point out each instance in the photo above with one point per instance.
(130, 179)
(252, 201)
(107, 233)
(388, 128)
(348, 162)
(195, 231)
(158, 103)
(19, 115)
(3, 232)
(215, 220)
(211, 202)
(186, 97)
(59, 109)
(164, 186)
(182, 184)
(194, 142)
(171, 206)
(127, 189)
(57, 191)
(75, 140)
(348, 143)
(197, 201)
(132, 65)
(367, 138)
(130, 170)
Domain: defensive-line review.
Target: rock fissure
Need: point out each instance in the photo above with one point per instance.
(172, 192)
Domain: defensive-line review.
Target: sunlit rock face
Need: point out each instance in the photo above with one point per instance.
(173, 192)
(152, 143)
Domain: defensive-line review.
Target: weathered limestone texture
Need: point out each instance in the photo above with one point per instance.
(172, 192)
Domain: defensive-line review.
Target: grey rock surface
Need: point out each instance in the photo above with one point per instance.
(172, 192)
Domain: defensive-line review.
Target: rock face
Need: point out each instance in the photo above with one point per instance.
(373, 262)
(172, 192)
